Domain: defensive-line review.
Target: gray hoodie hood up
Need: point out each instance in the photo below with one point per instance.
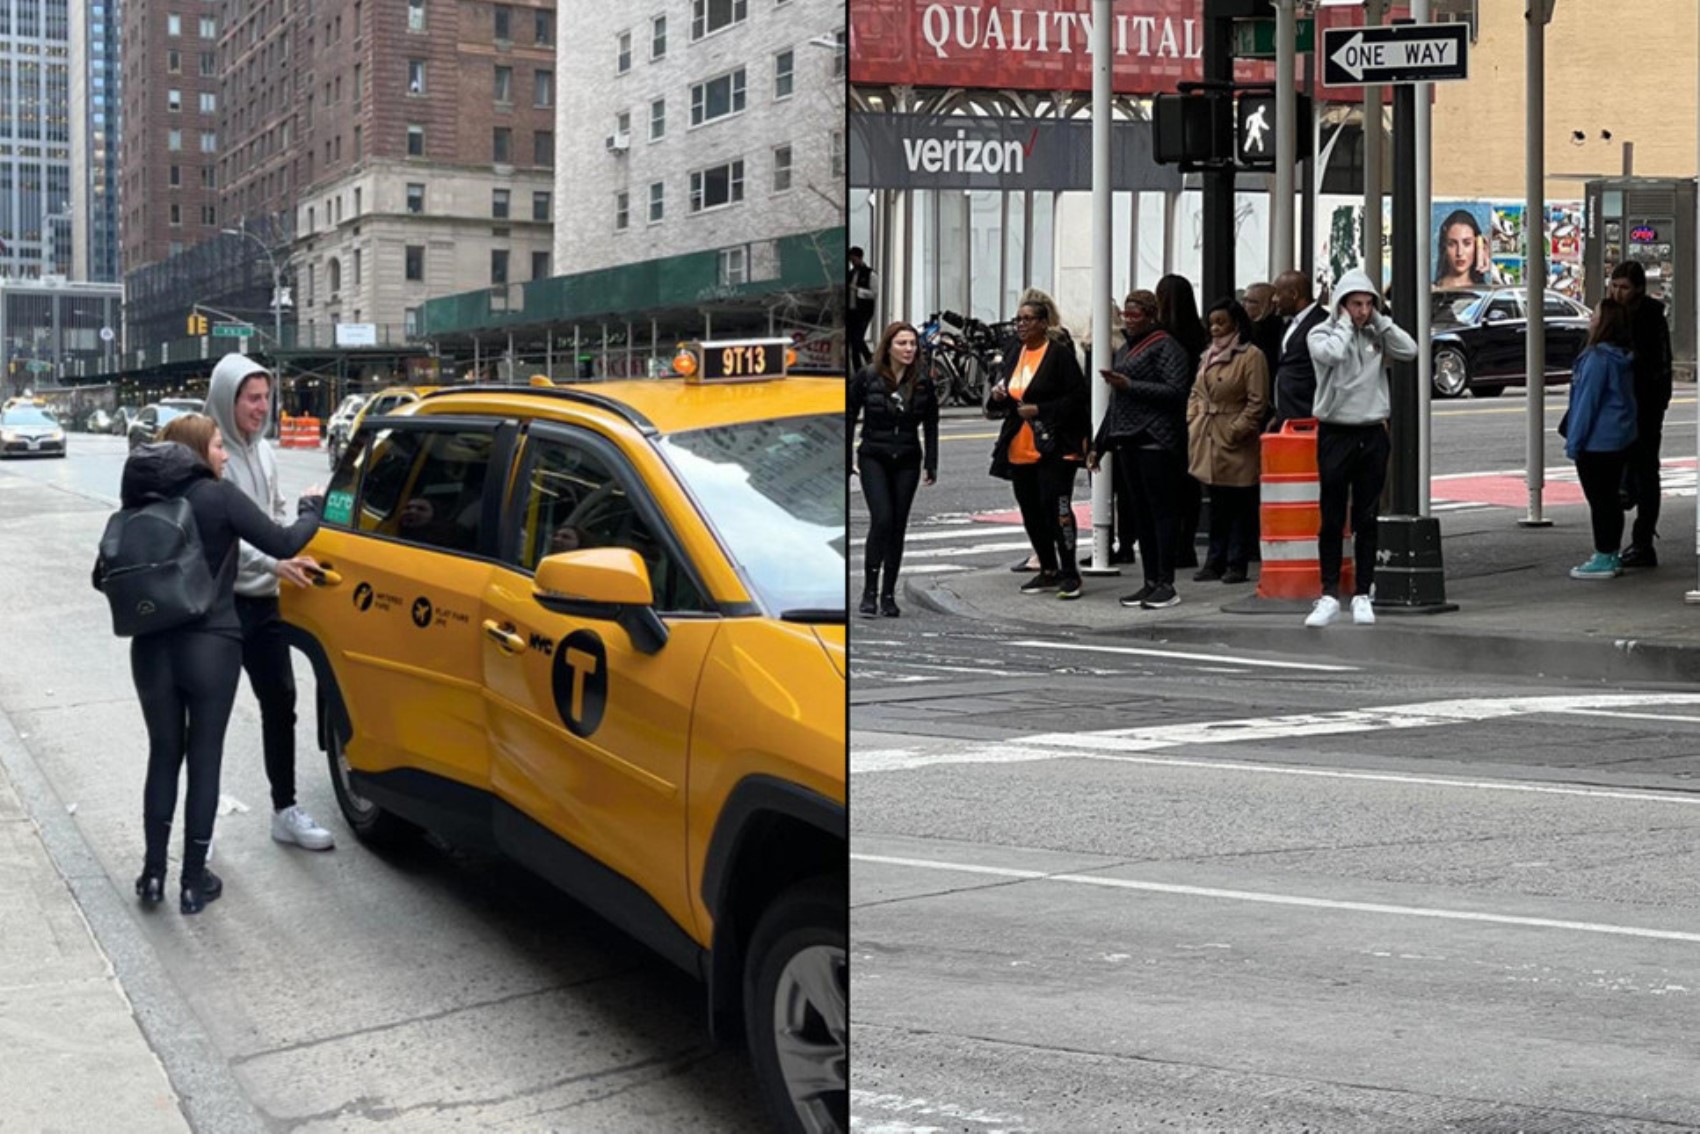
(252, 468)
(1351, 362)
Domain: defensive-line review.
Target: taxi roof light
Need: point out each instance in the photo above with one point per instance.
(725, 361)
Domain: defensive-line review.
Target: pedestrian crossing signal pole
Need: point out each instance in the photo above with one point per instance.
(1103, 58)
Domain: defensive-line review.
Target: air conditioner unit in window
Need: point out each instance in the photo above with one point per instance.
(618, 143)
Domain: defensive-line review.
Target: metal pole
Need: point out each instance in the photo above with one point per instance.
(1286, 135)
(1425, 361)
(1103, 517)
(1373, 14)
(1694, 595)
(1218, 205)
(1307, 211)
(1402, 497)
(1535, 349)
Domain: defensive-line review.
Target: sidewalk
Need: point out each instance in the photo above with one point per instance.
(1519, 611)
(72, 1050)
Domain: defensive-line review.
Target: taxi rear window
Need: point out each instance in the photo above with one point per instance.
(419, 485)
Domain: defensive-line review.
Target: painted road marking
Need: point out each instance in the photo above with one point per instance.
(1264, 898)
(1179, 655)
(922, 1108)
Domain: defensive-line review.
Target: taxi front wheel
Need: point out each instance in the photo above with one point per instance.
(796, 1008)
(371, 824)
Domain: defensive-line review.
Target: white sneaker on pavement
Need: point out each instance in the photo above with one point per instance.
(1363, 611)
(294, 825)
(1325, 610)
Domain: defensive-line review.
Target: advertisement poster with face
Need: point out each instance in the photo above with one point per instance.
(1463, 255)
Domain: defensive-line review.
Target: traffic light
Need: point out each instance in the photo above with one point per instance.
(197, 325)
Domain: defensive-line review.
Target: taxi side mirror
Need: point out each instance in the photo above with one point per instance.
(606, 584)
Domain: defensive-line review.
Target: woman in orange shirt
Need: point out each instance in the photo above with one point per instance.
(1045, 403)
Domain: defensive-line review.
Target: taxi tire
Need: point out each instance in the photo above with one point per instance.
(371, 824)
(810, 915)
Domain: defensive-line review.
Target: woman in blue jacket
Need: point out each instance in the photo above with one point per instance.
(1598, 430)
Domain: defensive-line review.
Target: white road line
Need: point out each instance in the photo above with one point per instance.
(971, 531)
(1630, 716)
(1283, 899)
(972, 549)
(1178, 655)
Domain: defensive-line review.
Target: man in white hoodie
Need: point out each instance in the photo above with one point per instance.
(1351, 351)
(239, 402)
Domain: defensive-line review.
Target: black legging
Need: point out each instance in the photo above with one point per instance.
(265, 655)
(889, 485)
(1601, 474)
(1045, 494)
(187, 682)
(1642, 462)
(1150, 480)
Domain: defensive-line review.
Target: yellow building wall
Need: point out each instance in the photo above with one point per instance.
(1628, 66)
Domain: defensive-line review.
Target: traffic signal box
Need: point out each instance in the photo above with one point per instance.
(197, 325)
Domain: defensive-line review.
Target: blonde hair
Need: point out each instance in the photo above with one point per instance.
(193, 430)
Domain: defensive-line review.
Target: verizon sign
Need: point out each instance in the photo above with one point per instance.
(906, 151)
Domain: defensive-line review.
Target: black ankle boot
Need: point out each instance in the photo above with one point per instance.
(150, 886)
(868, 608)
(194, 899)
(888, 606)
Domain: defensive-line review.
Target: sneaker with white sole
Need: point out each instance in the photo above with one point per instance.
(1363, 610)
(1601, 565)
(294, 825)
(1325, 610)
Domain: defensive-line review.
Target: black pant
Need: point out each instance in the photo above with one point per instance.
(1125, 508)
(1045, 494)
(1351, 460)
(187, 682)
(1642, 480)
(889, 485)
(1151, 480)
(265, 655)
(1601, 474)
(856, 332)
(1189, 502)
(1233, 526)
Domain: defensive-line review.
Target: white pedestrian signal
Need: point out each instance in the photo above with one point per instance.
(1256, 127)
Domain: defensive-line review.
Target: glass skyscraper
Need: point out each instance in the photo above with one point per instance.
(35, 137)
(95, 34)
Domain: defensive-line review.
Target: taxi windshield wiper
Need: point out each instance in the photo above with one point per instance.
(813, 614)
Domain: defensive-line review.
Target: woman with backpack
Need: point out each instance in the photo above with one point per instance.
(186, 675)
(1598, 430)
(899, 411)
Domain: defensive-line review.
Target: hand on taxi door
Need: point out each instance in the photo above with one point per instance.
(295, 570)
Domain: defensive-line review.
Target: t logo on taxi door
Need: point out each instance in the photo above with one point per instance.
(580, 681)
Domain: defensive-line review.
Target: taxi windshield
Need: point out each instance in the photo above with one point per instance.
(28, 415)
(774, 493)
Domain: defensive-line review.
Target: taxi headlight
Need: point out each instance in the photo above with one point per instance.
(8, 435)
(56, 435)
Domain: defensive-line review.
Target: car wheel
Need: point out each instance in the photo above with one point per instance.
(1451, 373)
(334, 451)
(796, 1008)
(371, 824)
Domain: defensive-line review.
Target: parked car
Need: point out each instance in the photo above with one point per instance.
(1478, 338)
(29, 430)
(146, 425)
(121, 419)
(340, 427)
(98, 421)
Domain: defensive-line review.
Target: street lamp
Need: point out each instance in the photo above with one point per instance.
(277, 318)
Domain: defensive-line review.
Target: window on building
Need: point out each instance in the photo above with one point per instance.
(173, 24)
(174, 140)
(173, 101)
(543, 88)
(415, 15)
(410, 321)
(658, 38)
(415, 269)
(498, 265)
(209, 64)
(781, 168)
(540, 265)
(709, 16)
(416, 197)
(209, 215)
(174, 62)
(837, 154)
(717, 98)
(658, 120)
(504, 22)
(543, 148)
(416, 141)
(838, 52)
(357, 20)
(543, 27)
(357, 275)
(209, 27)
(499, 203)
(734, 266)
(784, 74)
(657, 202)
(623, 123)
(209, 179)
(335, 274)
(622, 211)
(209, 103)
(176, 176)
(312, 222)
(504, 85)
(540, 205)
(502, 144)
(623, 61)
(175, 213)
(719, 185)
(358, 194)
(359, 142)
(416, 76)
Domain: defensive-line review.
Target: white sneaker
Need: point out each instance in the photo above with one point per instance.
(294, 825)
(1326, 610)
(1363, 611)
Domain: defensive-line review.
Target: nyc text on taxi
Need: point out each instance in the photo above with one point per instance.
(601, 628)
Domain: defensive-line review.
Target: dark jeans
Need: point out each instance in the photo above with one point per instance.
(1045, 494)
(1641, 480)
(265, 655)
(187, 682)
(1351, 461)
(1233, 526)
(856, 333)
(1601, 474)
(889, 486)
(1151, 481)
(1189, 502)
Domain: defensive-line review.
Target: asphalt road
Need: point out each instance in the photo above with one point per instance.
(1106, 884)
(344, 990)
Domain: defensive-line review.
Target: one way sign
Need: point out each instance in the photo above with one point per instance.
(1397, 53)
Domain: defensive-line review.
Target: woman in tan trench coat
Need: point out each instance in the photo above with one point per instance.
(1225, 417)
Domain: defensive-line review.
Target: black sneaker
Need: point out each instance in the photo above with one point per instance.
(1637, 556)
(1069, 588)
(1161, 597)
(150, 887)
(194, 899)
(888, 607)
(1040, 583)
(868, 609)
(1207, 574)
(1137, 598)
(1234, 575)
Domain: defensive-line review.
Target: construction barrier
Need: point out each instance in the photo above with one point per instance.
(1291, 516)
(298, 432)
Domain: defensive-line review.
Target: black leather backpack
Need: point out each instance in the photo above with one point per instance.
(153, 570)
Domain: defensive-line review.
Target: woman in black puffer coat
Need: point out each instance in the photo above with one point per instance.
(899, 411)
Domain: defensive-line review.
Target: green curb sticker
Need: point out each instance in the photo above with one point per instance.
(339, 507)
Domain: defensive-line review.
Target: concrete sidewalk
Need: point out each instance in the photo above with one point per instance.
(1519, 611)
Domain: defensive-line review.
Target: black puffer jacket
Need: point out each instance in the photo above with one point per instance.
(223, 515)
(1152, 407)
(1059, 391)
(899, 423)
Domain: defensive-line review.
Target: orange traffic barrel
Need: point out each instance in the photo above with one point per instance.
(1291, 516)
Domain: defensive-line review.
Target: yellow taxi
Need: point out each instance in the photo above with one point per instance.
(601, 629)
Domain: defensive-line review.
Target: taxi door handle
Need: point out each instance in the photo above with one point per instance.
(324, 576)
(505, 638)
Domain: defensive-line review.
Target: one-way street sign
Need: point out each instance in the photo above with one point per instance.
(1396, 53)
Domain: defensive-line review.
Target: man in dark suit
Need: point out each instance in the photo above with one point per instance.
(1652, 360)
(1294, 375)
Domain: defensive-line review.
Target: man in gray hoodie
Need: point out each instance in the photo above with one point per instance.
(239, 402)
(1351, 351)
